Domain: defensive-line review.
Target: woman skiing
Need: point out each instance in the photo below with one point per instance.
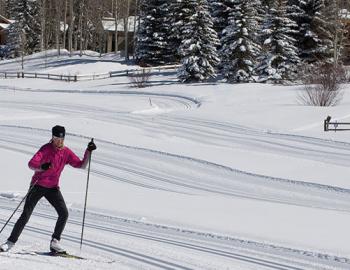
(48, 164)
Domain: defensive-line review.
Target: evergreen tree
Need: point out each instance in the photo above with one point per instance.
(239, 41)
(220, 11)
(199, 41)
(314, 39)
(153, 46)
(279, 59)
(26, 28)
(33, 27)
(4, 8)
(267, 3)
(13, 45)
(177, 17)
(265, 7)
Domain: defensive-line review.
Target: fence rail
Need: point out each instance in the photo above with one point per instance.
(335, 125)
(86, 77)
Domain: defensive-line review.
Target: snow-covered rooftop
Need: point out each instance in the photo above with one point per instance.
(4, 26)
(3, 19)
(62, 28)
(5, 23)
(345, 14)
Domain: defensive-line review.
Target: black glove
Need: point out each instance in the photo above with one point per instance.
(91, 146)
(45, 166)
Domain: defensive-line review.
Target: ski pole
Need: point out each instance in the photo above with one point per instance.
(30, 189)
(86, 193)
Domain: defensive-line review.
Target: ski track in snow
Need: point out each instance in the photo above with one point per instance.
(204, 131)
(187, 175)
(208, 246)
(122, 163)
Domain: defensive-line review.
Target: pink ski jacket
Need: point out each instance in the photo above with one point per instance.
(58, 158)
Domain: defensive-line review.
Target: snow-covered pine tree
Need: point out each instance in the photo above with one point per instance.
(239, 42)
(176, 21)
(266, 4)
(7, 5)
(153, 46)
(314, 39)
(220, 10)
(15, 30)
(279, 59)
(33, 27)
(199, 41)
(13, 45)
(3, 8)
(26, 28)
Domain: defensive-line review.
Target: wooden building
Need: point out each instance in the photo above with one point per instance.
(108, 25)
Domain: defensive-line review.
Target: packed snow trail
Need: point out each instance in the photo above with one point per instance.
(182, 174)
(153, 246)
(200, 130)
(103, 232)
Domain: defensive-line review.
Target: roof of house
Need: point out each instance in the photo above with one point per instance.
(63, 27)
(109, 24)
(5, 20)
(5, 23)
(4, 26)
(344, 14)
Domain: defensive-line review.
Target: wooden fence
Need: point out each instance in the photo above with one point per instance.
(87, 77)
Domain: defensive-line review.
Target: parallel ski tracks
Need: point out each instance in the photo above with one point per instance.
(210, 246)
(135, 166)
(236, 183)
(209, 132)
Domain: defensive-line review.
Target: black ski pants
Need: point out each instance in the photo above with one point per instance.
(54, 196)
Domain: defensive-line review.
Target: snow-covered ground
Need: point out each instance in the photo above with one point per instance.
(66, 64)
(201, 176)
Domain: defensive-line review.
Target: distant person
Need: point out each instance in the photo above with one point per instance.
(48, 164)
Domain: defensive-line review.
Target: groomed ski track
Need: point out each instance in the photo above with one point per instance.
(144, 245)
(153, 246)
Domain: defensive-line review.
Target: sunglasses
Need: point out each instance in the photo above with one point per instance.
(57, 138)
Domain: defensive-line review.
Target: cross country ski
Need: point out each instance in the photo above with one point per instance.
(63, 254)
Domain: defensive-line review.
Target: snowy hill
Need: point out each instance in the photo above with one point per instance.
(194, 176)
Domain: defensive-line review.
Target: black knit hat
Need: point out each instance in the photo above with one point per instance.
(58, 131)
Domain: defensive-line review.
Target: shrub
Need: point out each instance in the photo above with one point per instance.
(322, 84)
(140, 78)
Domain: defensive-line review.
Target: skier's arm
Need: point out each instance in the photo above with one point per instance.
(35, 162)
(75, 161)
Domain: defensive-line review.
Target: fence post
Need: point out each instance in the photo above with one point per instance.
(326, 123)
(75, 78)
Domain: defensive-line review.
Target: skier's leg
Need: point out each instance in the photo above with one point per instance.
(32, 199)
(55, 198)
